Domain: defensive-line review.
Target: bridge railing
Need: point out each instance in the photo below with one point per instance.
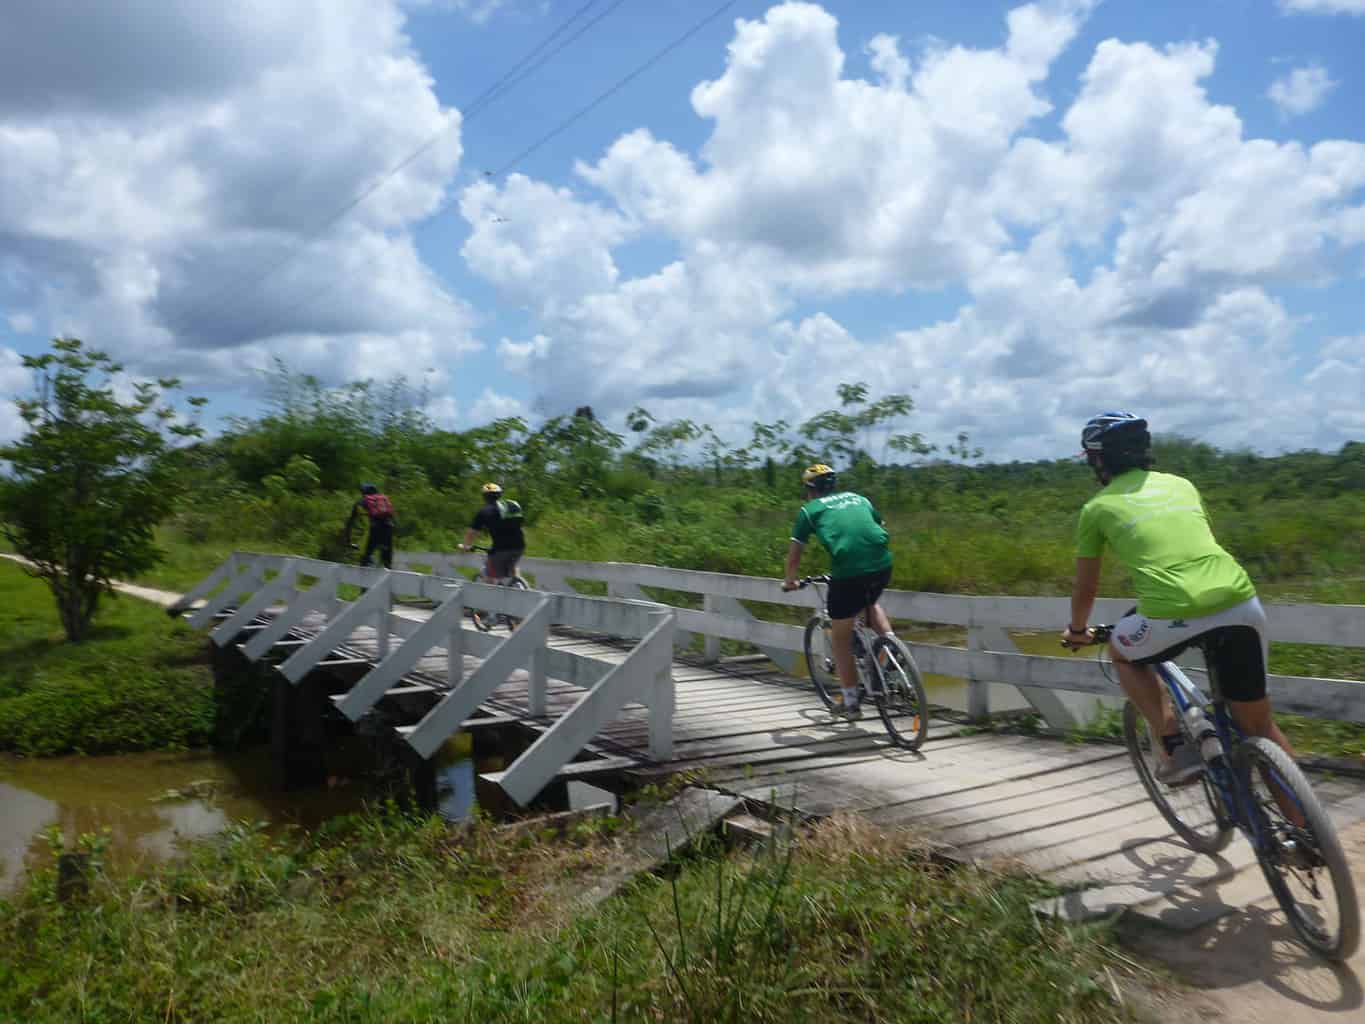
(990, 656)
(280, 595)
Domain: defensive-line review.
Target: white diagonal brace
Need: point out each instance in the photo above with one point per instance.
(303, 661)
(372, 686)
(446, 717)
(788, 661)
(310, 600)
(628, 681)
(277, 589)
(249, 578)
(206, 585)
(1046, 702)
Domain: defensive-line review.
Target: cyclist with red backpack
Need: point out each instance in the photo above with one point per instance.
(379, 510)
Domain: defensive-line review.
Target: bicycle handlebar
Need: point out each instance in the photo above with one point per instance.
(806, 581)
(1098, 635)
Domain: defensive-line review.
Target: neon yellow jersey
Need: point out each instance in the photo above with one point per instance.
(850, 528)
(1156, 525)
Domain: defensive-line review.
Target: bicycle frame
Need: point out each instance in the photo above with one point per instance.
(1233, 791)
(862, 635)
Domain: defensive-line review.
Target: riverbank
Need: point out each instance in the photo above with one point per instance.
(386, 917)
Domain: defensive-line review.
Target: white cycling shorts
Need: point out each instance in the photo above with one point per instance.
(1140, 638)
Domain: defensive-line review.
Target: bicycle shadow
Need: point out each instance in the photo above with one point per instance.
(1221, 929)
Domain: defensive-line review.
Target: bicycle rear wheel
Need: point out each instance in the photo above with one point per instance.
(1195, 811)
(1311, 882)
(511, 621)
(903, 704)
(819, 647)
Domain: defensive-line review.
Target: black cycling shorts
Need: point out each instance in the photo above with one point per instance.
(850, 595)
(503, 563)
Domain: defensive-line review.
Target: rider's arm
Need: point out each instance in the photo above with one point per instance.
(1083, 590)
(793, 563)
(350, 520)
(469, 537)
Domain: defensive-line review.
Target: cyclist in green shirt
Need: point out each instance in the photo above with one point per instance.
(850, 528)
(1188, 589)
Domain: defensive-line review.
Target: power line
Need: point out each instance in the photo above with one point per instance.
(542, 140)
(523, 69)
(613, 90)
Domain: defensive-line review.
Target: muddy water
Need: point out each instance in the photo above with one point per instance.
(951, 692)
(150, 802)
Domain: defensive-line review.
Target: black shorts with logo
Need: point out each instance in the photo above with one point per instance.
(850, 595)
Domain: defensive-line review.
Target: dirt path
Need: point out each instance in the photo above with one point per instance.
(1248, 966)
(165, 598)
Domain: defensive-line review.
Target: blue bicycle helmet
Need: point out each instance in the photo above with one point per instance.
(1115, 430)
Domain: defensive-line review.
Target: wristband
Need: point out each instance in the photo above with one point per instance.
(1077, 632)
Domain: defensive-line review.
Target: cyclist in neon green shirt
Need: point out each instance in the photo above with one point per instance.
(1188, 589)
(850, 528)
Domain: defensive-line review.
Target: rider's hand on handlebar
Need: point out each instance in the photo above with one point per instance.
(1075, 641)
(790, 585)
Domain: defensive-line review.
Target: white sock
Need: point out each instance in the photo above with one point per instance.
(850, 697)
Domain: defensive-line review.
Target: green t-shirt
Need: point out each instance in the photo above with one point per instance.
(1156, 525)
(850, 528)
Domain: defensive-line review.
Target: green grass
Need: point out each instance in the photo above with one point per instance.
(383, 918)
(139, 682)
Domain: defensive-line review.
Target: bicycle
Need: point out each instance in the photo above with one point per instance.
(512, 581)
(1227, 797)
(889, 676)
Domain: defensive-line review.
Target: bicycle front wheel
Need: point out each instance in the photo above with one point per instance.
(1303, 863)
(819, 647)
(1195, 811)
(903, 704)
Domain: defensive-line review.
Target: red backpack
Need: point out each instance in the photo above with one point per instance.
(377, 506)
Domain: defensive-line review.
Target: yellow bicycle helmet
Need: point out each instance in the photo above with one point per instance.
(491, 489)
(819, 478)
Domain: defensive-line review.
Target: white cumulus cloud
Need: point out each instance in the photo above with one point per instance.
(165, 196)
(1124, 250)
(1323, 6)
(1302, 90)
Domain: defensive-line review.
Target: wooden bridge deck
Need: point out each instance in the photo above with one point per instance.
(1075, 813)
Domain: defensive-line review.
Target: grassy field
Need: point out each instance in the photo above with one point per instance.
(140, 682)
(385, 918)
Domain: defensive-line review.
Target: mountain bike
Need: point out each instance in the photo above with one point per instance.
(1250, 784)
(513, 582)
(886, 672)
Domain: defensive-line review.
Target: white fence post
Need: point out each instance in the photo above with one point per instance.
(978, 687)
(536, 667)
(662, 696)
(710, 604)
(381, 622)
(455, 641)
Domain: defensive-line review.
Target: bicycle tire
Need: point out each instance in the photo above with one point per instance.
(1200, 819)
(1318, 825)
(819, 648)
(481, 622)
(512, 621)
(902, 702)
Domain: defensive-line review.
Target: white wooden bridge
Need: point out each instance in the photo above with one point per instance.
(596, 682)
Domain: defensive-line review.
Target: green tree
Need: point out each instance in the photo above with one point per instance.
(91, 478)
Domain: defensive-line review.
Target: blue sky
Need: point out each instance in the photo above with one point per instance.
(1110, 179)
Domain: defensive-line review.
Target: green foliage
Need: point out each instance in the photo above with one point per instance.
(91, 477)
(386, 917)
(138, 683)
